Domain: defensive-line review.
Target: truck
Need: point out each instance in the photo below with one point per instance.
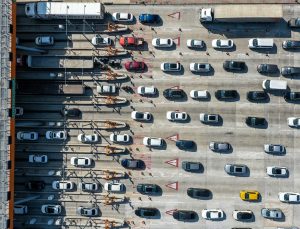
(242, 13)
(274, 85)
(64, 10)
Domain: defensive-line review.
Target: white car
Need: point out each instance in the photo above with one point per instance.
(44, 40)
(170, 67)
(293, 122)
(153, 142)
(81, 161)
(122, 17)
(276, 171)
(63, 185)
(222, 44)
(213, 214)
(162, 42)
(89, 212)
(176, 116)
(59, 135)
(101, 41)
(88, 187)
(147, 90)
(141, 116)
(51, 209)
(114, 187)
(209, 118)
(289, 197)
(88, 138)
(274, 148)
(200, 67)
(31, 136)
(106, 89)
(37, 158)
(192, 43)
(120, 138)
(195, 94)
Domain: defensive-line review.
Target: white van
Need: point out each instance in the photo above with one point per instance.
(264, 43)
(20, 209)
(274, 85)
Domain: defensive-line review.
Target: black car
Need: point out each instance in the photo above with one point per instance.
(292, 96)
(255, 121)
(290, 44)
(257, 96)
(198, 193)
(148, 189)
(226, 94)
(231, 65)
(267, 68)
(185, 144)
(132, 163)
(294, 23)
(71, 113)
(182, 215)
(290, 71)
(172, 93)
(147, 212)
(192, 166)
(243, 215)
(35, 185)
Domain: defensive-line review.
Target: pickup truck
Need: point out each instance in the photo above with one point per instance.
(131, 41)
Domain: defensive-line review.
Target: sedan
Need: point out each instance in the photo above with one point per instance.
(249, 195)
(271, 213)
(88, 187)
(245, 215)
(114, 187)
(88, 138)
(170, 67)
(193, 167)
(56, 135)
(146, 212)
(200, 67)
(89, 212)
(290, 71)
(51, 209)
(176, 116)
(101, 41)
(63, 185)
(276, 171)
(162, 42)
(81, 161)
(226, 94)
(135, 66)
(149, 18)
(292, 96)
(235, 169)
(209, 118)
(192, 43)
(230, 65)
(289, 44)
(37, 158)
(173, 94)
(153, 142)
(120, 138)
(289, 197)
(28, 136)
(141, 116)
(71, 113)
(267, 68)
(222, 44)
(132, 163)
(212, 214)
(147, 90)
(274, 149)
(257, 96)
(199, 193)
(199, 94)
(255, 121)
(293, 122)
(185, 144)
(148, 189)
(122, 17)
(44, 40)
(182, 215)
(219, 146)
(294, 23)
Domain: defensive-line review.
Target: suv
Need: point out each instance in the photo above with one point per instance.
(147, 212)
(267, 68)
(231, 65)
(209, 118)
(226, 94)
(289, 44)
(172, 93)
(236, 170)
(274, 149)
(219, 146)
(148, 189)
(192, 166)
(170, 67)
(290, 71)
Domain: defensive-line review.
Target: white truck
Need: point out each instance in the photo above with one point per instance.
(274, 85)
(64, 10)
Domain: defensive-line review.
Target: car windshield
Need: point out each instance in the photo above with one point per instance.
(173, 66)
(148, 189)
(218, 43)
(212, 117)
(238, 169)
(158, 41)
(50, 209)
(99, 40)
(139, 115)
(276, 171)
(297, 21)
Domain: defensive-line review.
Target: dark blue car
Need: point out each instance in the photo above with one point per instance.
(149, 18)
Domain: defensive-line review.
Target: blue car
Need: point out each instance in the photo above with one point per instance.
(149, 18)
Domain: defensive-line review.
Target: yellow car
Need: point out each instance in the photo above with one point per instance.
(249, 195)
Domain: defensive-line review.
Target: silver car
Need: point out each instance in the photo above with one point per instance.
(209, 118)
(235, 169)
(219, 146)
(84, 211)
(273, 148)
(272, 213)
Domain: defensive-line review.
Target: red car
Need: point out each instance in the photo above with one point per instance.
(135, 66)
(131, 41)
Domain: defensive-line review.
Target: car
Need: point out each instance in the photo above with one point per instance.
(63, 185)
(257, 96)
(120, 138)
(147, 90)
(249, 195)
(135, 66)
(244, 215)
(35, 158)
(289, 197)
(132, 163)
(212, 214)
(149, 18)
(27, 136)
(192, 43)
(148, 189)
(35, 185)
(292, 96)
(195, 94)
(236, 169)
(293, 122)
(226, 94)
(173, 94)
(209, 118)
(222, 44)
(81, 161)
(200, 67)
(290, 71)
(176, 116)
(89, 187)
(101, 41)
(70, 112)
(56, 135)
(44, 40)
(122, 17)
(185, 144)
(274, 148)
(199, 193)
(131, 41)
(191, 166)
(106, 89)
(170, 67)
(51, 209)
(146, 212)
(183, 215)
(267, 68)
(276, 171)
(290, 44)
(114, 187)
(231, 65)
(255, 121)
(162, 42)
(271, 213)
(294, 22)
(88, 211)
(141, 116)
(220, 146)
(19, 111)
(153, 142)
(88, 138)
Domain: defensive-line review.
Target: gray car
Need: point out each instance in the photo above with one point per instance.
(235, 169)
(219, 146)
(191, 166)
(290, 71)
(209, 118)
(85, 211)
(272, 213)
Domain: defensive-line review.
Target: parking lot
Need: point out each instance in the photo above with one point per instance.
(162, 165)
